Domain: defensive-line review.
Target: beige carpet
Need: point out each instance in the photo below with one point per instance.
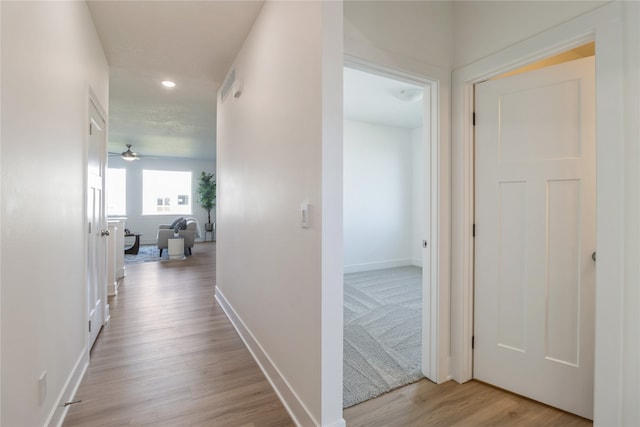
(382, 332)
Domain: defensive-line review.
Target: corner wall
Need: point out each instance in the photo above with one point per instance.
(51, 55)
(276, 144)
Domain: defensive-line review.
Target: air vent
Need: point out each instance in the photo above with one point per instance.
(228, 85)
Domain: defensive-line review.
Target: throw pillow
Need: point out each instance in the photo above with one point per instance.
(182, 225)
(174, 223)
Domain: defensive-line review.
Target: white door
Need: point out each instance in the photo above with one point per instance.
(97, 227)
(535, 235)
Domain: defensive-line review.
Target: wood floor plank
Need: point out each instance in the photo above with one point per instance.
(170, 357)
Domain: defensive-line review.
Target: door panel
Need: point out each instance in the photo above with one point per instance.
(535, 217)
(555, 128)
(513, 266)
(563, 278)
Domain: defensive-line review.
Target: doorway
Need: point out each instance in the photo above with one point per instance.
(386, 165)
(535, 233)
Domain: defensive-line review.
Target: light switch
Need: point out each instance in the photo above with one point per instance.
(304, 215)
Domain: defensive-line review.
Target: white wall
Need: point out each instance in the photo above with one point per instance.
(148, 224)
(379, 194)
(50, 56)
(276, 145)
(407, 35)
(485, 27)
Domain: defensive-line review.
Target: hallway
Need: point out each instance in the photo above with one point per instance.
(170, 357)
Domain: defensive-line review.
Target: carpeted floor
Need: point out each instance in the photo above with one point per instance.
(382, 331)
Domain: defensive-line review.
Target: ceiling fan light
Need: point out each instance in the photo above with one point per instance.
(129, 155)
(409, 94)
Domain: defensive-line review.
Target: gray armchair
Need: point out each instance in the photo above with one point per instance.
(165, 232)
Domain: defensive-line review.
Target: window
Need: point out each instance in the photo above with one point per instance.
(166, 192)
(116, 192)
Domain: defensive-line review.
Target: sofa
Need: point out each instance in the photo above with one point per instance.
(187, 228)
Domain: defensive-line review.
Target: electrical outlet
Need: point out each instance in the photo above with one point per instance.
(42, 388)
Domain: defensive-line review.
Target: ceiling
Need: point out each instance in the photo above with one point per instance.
(192, 43)
(381, 100)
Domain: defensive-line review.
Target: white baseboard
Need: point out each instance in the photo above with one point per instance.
(68, 392)
(112, 289)
(416, 262)
(292, 403)
(357, 268)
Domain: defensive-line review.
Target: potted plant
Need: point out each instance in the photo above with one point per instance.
(207, 193)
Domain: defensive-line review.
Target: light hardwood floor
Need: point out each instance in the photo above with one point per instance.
(451, 404)
(170, 357)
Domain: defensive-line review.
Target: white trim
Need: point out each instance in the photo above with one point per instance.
(67, 394)
(370, 266)
(331, 237)
(293, 404)
(461, 229)
(630, 413)
(605, 26)
(435, 307)
(359, 64)
(1, 210)
(96, 102)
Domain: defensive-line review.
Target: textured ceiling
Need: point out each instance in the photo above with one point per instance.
(190, 42)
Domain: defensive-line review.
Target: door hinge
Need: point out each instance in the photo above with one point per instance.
(89, 325)
(91, 128)
(425, 244)
(473, 231)
(473, 342)
(474, 118)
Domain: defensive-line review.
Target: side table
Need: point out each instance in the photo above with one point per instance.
(176, 248)
(133, 250)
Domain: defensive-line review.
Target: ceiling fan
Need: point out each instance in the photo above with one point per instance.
(127, 155)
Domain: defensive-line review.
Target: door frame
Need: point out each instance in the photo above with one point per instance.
(92, 98)
(435, 300)
(604, 26)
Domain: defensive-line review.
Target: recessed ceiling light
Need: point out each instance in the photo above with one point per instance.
(168, 83)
